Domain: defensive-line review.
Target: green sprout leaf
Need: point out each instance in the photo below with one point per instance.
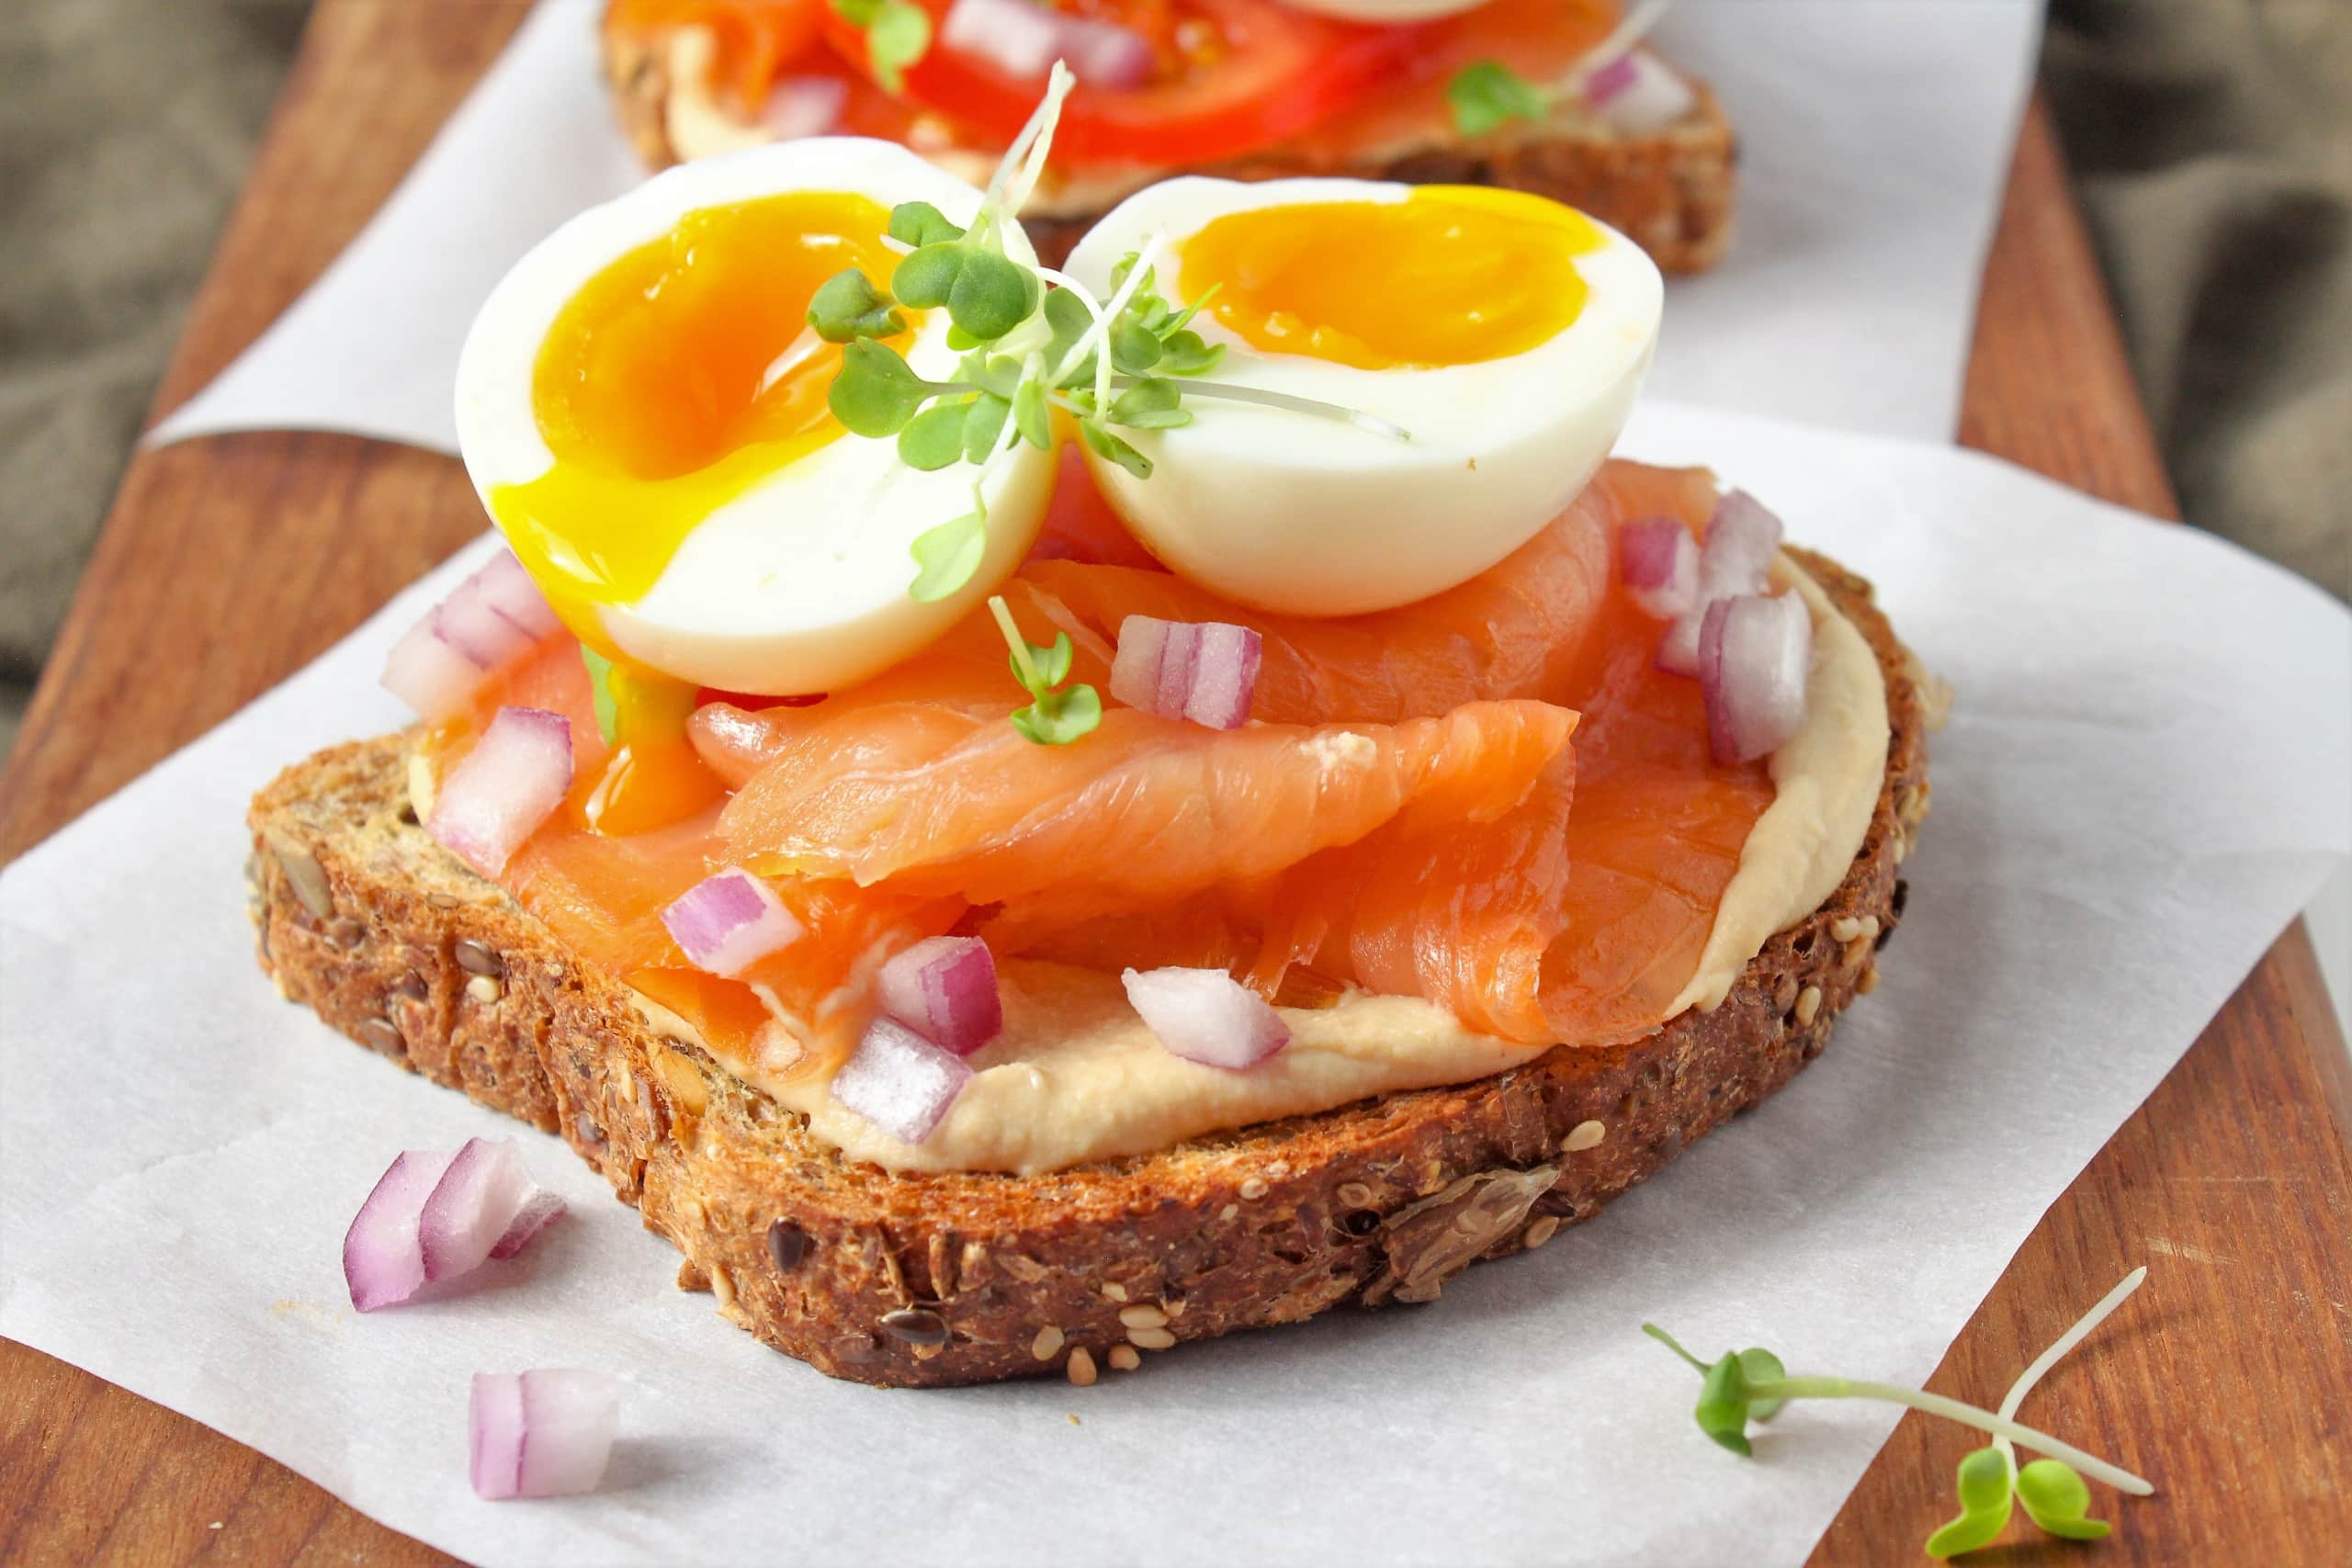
(847, 306)
(1135, 348)
(600, 688)
(1057, 719)
(1187, 353)
(998, 373)
(927, 276)
(948, 556)
(1153, 404)
(919, 223)
(1048, 662)
(933, 438)
(875, 393)
(897, 35)
(1983, 1504)
(2057, 1499)
(992, 294)
(1029, 415)
(1760, 1365)
(1484, 95)
(1105, 445)
(984, 419)
(1722, 1411)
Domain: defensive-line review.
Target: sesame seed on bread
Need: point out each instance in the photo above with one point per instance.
(930, 1280)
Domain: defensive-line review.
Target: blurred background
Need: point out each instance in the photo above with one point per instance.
(2212, 141)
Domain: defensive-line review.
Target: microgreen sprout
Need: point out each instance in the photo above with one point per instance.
(1486, 94)
(1034, 341)
(896, 36)
(1052, 717)
(1751, 1385)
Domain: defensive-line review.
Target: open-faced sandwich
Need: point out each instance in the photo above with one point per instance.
(1559, 97)
(1027, 816)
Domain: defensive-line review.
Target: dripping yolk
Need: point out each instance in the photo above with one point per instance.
(674, 381)
(1452, 274)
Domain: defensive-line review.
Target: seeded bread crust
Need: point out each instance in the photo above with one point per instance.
(930, 1279)
(1671, 190)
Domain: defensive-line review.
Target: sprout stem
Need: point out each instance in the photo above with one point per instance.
(1260, 395)
(1954, 1410)
(1020, 644)
(2058, 1349)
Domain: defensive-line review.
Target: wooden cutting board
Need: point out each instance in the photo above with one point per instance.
(228, 563)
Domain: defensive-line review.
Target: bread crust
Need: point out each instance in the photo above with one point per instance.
(1671, 190)
(933, 1280)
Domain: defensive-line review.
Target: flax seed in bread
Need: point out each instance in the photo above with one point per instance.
(927, 1280)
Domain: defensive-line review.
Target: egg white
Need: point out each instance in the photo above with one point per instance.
(1292, 512)
(799, 583)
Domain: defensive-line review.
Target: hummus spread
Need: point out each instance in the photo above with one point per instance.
(1076, 1077)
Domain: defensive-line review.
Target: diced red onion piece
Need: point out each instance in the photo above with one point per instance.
(430, 673)
(1660, 563)
(509, 591)
(900, 1081)
(545, 1433)
(728, 922)
(1206, 1016)
(1651, 97)
(468, 618)
(383, 1261)
(1743, 537)
(1202, 670)
(804, 106)
(513, 780)
(471, 1207)
(1610, 79)
(435, 1216)
(945, 990)
(1754, 654)
(541, 1209)
(1023, 38)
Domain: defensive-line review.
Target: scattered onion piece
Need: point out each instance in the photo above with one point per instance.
(1660, 561)
(545, 1433)
(435, 1216)
(1742, 538)
(487, 621)
(804, 106)
(728, 922)
(1023, 38)
(1754, 654)
(900, 1081)
(1639, 94)
(1206, 1016)
(511, 780)
(1202, 670)
(945, 990)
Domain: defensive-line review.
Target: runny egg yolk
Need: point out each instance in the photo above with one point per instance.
(677, 378)
(1452, 274)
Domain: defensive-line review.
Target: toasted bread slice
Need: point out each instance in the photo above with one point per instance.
(1670, 189)
(914, 1279)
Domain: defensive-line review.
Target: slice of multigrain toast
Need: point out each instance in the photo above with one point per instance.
(960, 1277)
(1670, 189)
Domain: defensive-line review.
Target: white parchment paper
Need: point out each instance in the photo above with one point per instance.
(2148, 772)
(1874, 135)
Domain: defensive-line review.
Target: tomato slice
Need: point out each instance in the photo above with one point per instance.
(757, 39)
(1265, 74)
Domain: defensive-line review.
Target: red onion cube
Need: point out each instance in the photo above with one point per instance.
(470, 620)
(1607, 80)
(1659, 560)
(1206, 1016)
(900, 1081)
(728, 922)
(433, 1216)
(545, 1433)
(1753, 655)
(1742, 537)
(1648, 98)
(1202, 670)
(513, 780)
(945, 990)
(430, 673)
(507, 591)
(1023, 39)
(804, 106)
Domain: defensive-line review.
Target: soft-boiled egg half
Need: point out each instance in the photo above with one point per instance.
(643, 409)
(1505, 335)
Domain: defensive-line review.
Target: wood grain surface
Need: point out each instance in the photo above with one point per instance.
(243, 557)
